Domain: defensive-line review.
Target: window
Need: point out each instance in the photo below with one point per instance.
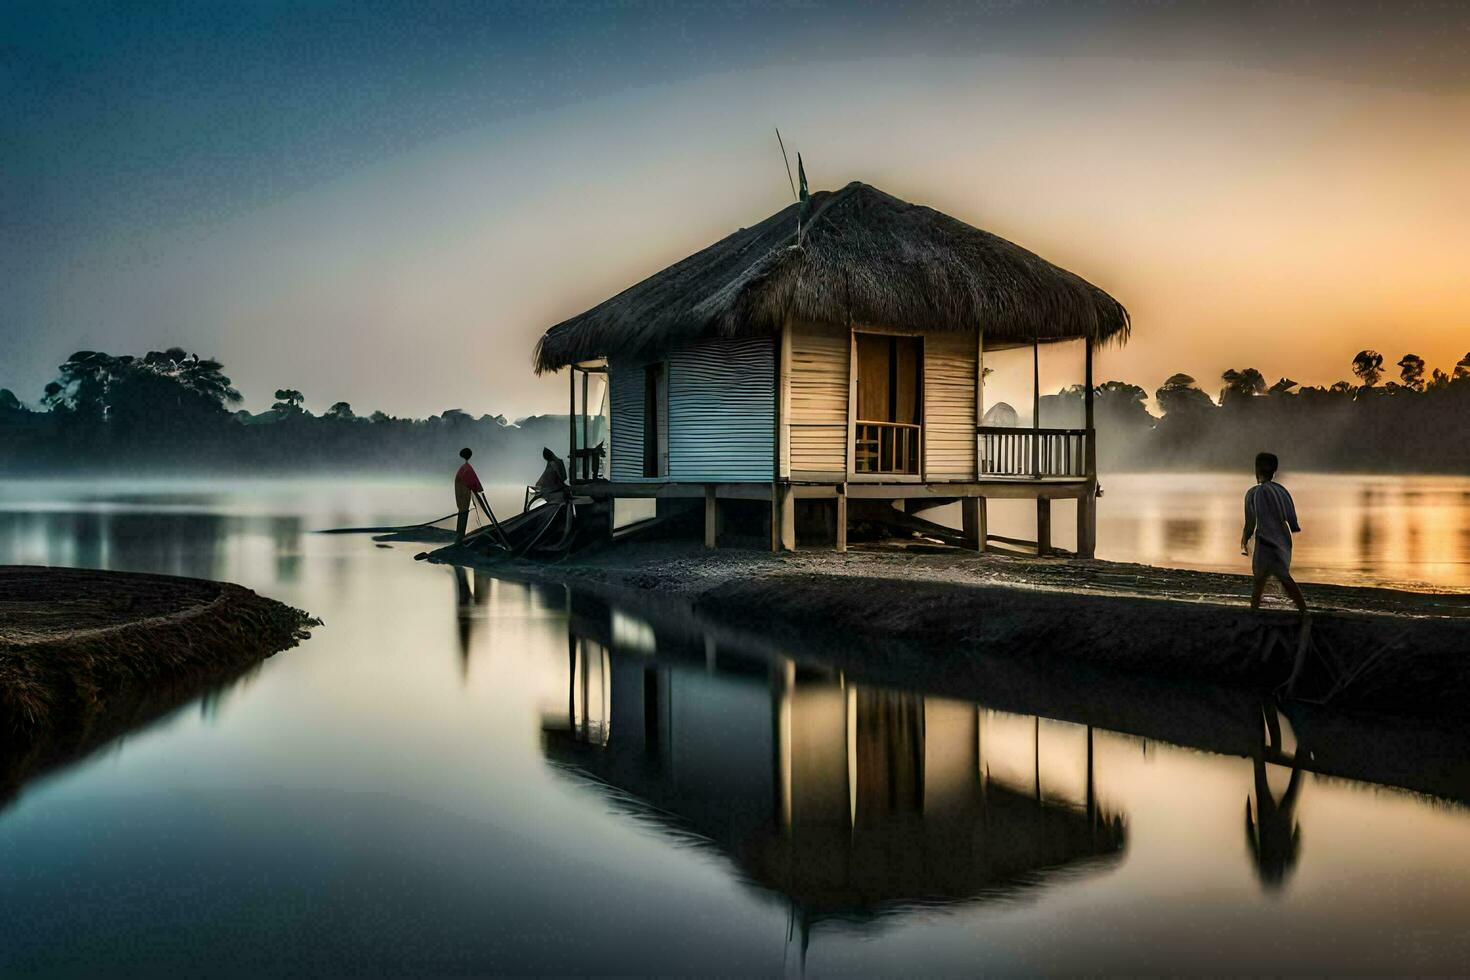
(655, 409)
(890, 383)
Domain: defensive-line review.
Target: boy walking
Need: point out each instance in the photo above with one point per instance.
(1270, 516)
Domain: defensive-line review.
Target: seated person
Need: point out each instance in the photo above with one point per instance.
(553, 481)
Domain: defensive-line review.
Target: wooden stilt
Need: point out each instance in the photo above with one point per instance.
(1087, 524)
(788, 519)
(842, 518)
(972, 522)
(711, 518)
(1043, 525)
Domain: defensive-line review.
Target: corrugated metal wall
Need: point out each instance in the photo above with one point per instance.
(949, 406)
(820, 353)
(625, 409)
(722, 411)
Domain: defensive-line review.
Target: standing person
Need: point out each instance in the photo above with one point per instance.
(1270, 516)
(466, 485)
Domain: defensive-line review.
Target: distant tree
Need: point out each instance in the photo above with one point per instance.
(1123, 403)
(1462, 368)
(159, 390)
(340, 411)
(1368, 366)
(1411, 370)
(1179, 396)
(1341, 387)
(1282, 386)
(8, 401)
(1440, 380)
(1245, 383)
(288, 402)
(379, 417)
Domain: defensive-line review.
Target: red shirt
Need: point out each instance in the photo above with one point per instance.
(469, 478)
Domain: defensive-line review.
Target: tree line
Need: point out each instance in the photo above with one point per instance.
(1411, 423)
(174, 411)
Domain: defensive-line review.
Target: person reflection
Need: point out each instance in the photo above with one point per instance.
(466, 599)
(1272, 834)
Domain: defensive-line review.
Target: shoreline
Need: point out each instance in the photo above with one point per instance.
(87, 655)
(1050, 613)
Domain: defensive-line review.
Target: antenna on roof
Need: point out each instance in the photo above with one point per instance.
(787, 162)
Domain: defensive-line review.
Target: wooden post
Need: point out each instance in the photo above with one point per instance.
(788, 519)
(842, 517)
(585, 382)
(1091, 451)
(571, 420)
(1043, 525)
(1087, 503)
(1036, 409)
(972, 516)
(1087, 523)
(979, 402)
(775, 517)
(711, 517)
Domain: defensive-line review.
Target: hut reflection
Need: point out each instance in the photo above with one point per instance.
(851, 802)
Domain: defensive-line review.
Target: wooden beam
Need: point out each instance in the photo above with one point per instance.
(1043, 525)
(1022, 489)
(711, 517)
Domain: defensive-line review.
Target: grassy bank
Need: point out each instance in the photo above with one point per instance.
(86, 655)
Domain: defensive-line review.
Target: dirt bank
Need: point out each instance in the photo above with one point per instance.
(86, 655)
(1413, 649)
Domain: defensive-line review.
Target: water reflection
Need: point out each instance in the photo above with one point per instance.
(850, 802)
(1271, 830)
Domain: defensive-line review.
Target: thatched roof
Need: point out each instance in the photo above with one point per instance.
(865, 257)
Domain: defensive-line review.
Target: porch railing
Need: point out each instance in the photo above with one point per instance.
(1034, 453)
(886, 447)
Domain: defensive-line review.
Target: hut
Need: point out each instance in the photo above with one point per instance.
(836, 351)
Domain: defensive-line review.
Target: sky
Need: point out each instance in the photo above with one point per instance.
(388, 203)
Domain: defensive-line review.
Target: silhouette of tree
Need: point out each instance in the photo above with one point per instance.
(1411, 370)
(1462, 368)
(380, 417)
(1179, 396)
(1245, 383)
(341, 411)
(1282, 386)
(8, 401)
(288, 403)
(1368, 366)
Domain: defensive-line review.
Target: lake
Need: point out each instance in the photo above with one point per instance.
(460, 774)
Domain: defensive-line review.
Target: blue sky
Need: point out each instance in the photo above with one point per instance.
(387, 203)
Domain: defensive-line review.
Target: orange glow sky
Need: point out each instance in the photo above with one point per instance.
(1250, 211)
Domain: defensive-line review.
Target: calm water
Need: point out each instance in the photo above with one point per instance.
(460, 774)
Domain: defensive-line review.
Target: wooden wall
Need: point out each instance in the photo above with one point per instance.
(818, 422)
(949, 406)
